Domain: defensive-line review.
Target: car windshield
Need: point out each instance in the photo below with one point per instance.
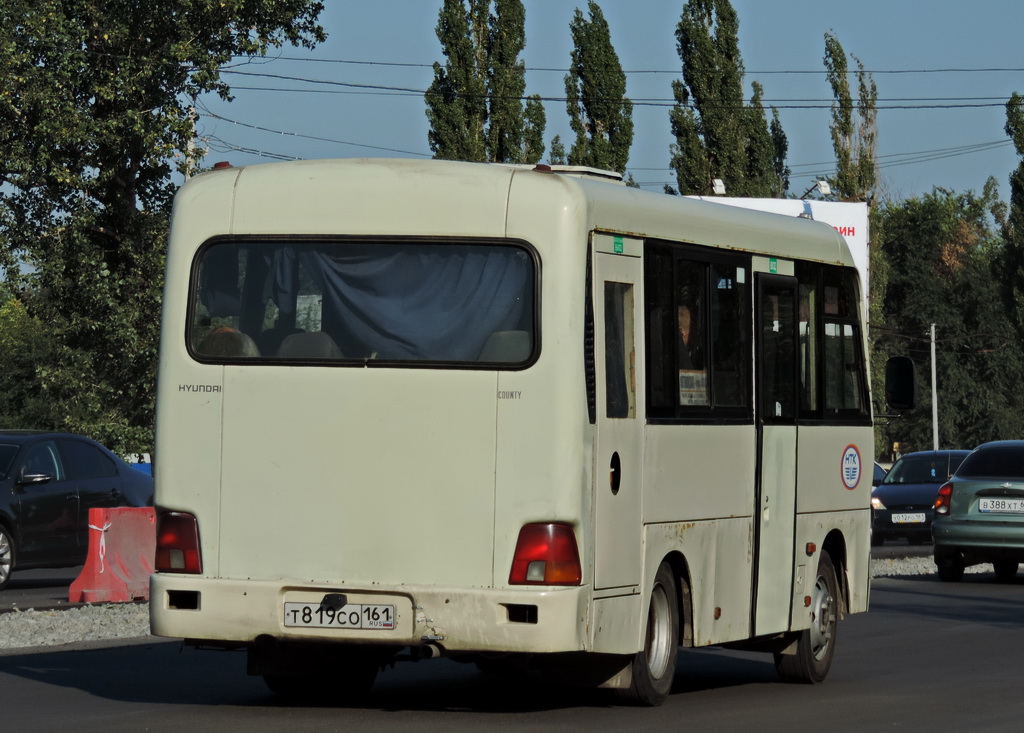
(7, 453)
(926, 468)
(999, 462)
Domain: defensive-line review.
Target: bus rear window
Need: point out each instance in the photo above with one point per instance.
(373, 303)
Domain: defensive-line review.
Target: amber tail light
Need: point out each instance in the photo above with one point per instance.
(942, 499)
(546, 554)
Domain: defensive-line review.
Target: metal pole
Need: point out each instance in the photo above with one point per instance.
(935, 399)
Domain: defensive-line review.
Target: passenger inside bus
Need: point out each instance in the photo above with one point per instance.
(693, 383)
(689, 339)
(227, 341)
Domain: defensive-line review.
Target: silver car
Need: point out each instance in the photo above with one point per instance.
(979, 513)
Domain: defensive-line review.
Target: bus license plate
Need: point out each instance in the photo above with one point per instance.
(350, 616)
(915, 518)
(1001, 506)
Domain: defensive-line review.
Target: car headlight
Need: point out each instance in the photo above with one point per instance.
(876, 503)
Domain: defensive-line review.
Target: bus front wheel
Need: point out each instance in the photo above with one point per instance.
(654, 667)
(816, 645)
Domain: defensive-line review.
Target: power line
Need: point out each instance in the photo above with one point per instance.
(409, 65)
(207, 113)
(782, 103)
(822, 169)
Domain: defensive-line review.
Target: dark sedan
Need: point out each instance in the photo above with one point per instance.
(903, 504)
(48, 483)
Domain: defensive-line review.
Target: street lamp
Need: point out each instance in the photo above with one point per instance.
(822, 187)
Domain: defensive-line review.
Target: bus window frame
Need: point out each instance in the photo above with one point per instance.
(821, 275)
(710, 413)
(359, 362)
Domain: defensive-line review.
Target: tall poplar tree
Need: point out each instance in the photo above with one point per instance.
(718, 134)
(595, 90)
(476, 102)
(853, 140)
(94, 121)
(1012, 264)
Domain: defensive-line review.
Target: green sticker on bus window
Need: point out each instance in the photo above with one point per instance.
(773, 265)
(619, 245)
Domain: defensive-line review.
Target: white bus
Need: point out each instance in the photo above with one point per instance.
(508, 415)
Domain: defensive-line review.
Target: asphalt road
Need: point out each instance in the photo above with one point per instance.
(928, 656)
(47, 588)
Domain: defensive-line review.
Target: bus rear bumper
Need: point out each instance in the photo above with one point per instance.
(240, 612)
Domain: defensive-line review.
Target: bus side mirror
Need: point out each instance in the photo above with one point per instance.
(900, 383)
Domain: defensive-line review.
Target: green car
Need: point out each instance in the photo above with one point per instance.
(979, 513)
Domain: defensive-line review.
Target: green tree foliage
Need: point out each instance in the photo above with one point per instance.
(557, 154)
(475, 103)
(718, 134)
(25, 346)
(854, 141)
(1012, 263)
(780, 146)
(595, 90)
(941, 251)
(94, 120)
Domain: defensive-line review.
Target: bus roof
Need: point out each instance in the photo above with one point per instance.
(448, 198)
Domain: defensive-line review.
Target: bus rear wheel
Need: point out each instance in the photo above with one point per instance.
(816, 645)
(654, 667)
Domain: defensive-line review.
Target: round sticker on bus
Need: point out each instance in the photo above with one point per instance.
(851, 467)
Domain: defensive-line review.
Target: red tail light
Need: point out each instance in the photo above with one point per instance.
(177, 544)
(943, 498)
(546, 554)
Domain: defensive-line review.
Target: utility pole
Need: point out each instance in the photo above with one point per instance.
(935, 399)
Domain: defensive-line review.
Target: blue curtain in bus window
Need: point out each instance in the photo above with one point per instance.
(281, 284)
(219, 290)
(421, 302)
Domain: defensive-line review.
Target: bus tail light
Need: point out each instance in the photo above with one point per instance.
(546, 554)
(177, 544)
(943, 498)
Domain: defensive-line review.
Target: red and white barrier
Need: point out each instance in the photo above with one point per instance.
(122, 548)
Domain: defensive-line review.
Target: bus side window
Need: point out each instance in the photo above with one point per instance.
(730, 350)
(845, 381)
(698, 333)
(691, 339)
(808, 336)
(619, 354)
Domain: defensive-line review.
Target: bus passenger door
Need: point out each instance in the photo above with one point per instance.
(774, 522)
(619, 447)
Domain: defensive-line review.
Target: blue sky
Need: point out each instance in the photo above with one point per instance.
(954, 137)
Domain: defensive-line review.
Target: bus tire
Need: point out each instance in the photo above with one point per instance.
(654, 667)
(816, 645)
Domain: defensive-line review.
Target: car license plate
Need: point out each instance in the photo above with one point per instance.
(913, 518)
(1001, 506)
(349, 616)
